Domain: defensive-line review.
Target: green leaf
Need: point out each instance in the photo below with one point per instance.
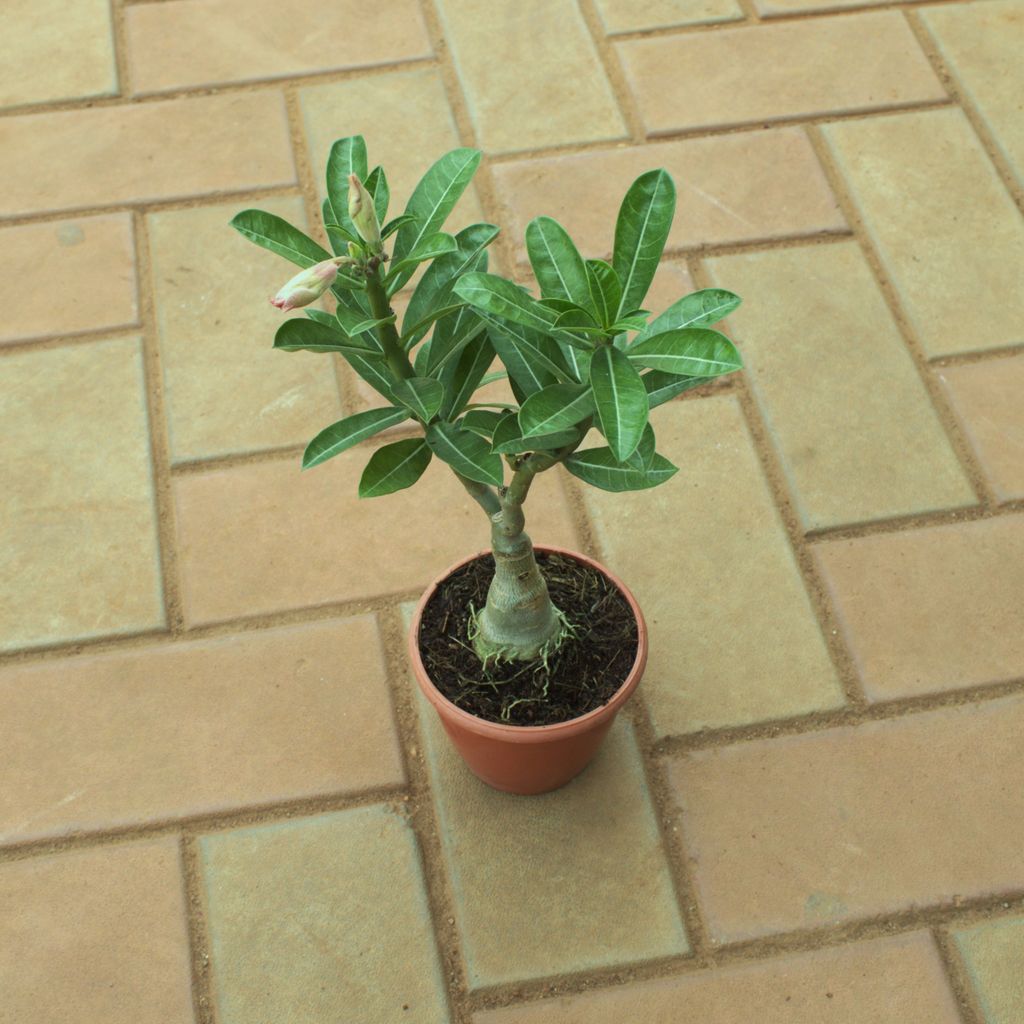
(555, 408)
(557, 264)
(277, 235)
(605, 290)
(377, 185)
(643, 457)
(695, 351)
(393, 225)
(641, 231)
(580, 320)
(347, 156)
(528, 355)
(664, 386)
(699, 309)
(482, 421)
(491, 294)
(433, 245)
(340, 436)
(508, 439)
(451, 334)
(636, 322)
(423, 395)
(433, 199)
(373, 368)
(313, 336)
(462, 376)
(321, 317)
(394, 467)
(599, 467)
(467, 453)
(355, 322)
(338, 236)
(620, 400)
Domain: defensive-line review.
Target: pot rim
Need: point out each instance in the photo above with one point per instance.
(528, 733)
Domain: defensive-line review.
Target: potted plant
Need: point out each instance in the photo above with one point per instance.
(526, 654)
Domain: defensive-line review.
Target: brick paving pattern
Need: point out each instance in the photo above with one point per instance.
(221, 800)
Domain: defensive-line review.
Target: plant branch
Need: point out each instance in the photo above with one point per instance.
(387, 334)
(538, 462)
(483, 495)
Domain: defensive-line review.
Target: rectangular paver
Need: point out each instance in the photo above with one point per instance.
(95, 935)
(732, 188)
(775, 8)
(994, 954)
(858, 435)
(986, 397)
(749, 75)
(948, 234)
(982, 43)
(892, 981)
(134, 153)
(226, 389)
(195, 728)
(638, 15)
(733, 636)
(78, 556)
(206, 42)
(563, 97)
(812, 830)
(931, 609)
(322, 919)
(94, 260)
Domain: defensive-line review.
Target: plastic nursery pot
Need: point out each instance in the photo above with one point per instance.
(527, 759)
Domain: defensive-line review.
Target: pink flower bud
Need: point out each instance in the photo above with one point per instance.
(306, 286)
(362, 212)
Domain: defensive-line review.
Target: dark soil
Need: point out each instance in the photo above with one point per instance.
(583, 674)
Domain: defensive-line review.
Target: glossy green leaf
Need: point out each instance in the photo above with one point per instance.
(338, 235)
(427, 248)
(461, 377)
(661, 387)
(698, 309)
(377, 185)
(605, 290)
(394, 467)
(355, 322)
(554, 408)
(598, 466)
(643, 457)
(276, 234)
(636, 322)
(451, 334)
(482, 421)
(508, 438)
(531, 359)
(393, 225)
(422, 395)
(557, 264)
(467, 453)
(495, 296)
(620, 400)
(313, 336)
(341, 436)
(321, 317)
(695, 351)
(347, 156)
(374, 369)
(641, 231)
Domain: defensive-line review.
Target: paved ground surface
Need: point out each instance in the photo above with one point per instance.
(220, 800)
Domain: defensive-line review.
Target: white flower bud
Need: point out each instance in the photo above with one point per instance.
(362, 212)
(306, 286)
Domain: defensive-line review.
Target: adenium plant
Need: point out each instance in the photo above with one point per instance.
(582, 355)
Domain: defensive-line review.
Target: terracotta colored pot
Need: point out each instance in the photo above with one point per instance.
(527, 759)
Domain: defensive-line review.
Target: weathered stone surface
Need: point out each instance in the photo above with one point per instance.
(994, 952)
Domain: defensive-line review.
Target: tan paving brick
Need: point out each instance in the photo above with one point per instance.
(671, 282)
(568, 881)
(994, 952)
(52, 50)
(947, 232)
(143, 152)
(93, 258)
(982, 43)
(79, 553)
(322, 919)
(258, 538)
(987, 399)
(773, 8)
(407, 122)
(195, 728)
(733, 636)
(748, 75)
(565, 96)
(637, 15)
(732, 188)
(810, 830)
(205, 42)
(227, 389)
(931, 609)
(892, 981)
(858, 435)
(95, 935)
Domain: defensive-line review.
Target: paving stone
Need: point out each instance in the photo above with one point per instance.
(79, 554)
(987, 398)
(891, 981)
(773, 8)
(982, 43)
(226, 389)
(95, 935)
(144, 152)
(748, 75)
(994, 952)
(931, 609)
(671, 282)
(567, 881)
(857, 432)
(407, 122)
(322, 919)
(637, 15)
(93, 258)
(731, 188)
(811, 830)
(51, 50)
(949, 236)
(171, 731)
(206, 42)
(564, 98)
(734, 639)
(264, 537)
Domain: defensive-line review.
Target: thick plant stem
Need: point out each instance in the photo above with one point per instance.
(398, 360)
